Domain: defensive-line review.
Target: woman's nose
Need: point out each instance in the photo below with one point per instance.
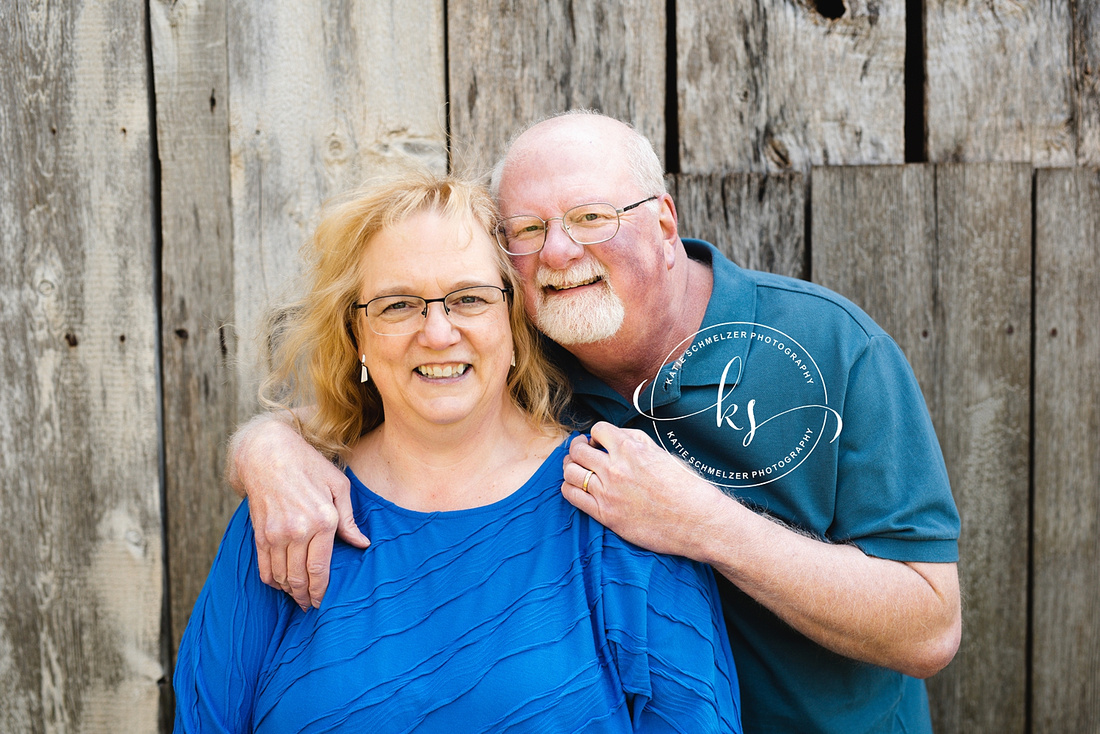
(437, 329)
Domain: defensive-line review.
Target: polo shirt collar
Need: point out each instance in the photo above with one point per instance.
(732, 306)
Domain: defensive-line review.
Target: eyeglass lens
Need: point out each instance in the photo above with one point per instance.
(587, 224)
(399, 315)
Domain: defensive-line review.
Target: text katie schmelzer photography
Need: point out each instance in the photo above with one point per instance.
(768, 386)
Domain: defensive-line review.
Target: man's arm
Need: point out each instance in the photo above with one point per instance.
(298, 501)
(904, 616)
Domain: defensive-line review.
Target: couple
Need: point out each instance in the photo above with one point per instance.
(486, 601)
(856, 564)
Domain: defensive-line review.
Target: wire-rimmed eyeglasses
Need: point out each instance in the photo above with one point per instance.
(586, 224)
(400, 315)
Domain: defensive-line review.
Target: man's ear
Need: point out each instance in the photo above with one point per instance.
(670, 232)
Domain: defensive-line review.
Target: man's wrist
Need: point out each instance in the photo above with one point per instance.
(238, 452)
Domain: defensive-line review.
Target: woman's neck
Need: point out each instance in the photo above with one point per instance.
(439, 468)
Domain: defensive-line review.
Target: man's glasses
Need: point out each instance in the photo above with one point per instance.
(587, 224)
(465, 307)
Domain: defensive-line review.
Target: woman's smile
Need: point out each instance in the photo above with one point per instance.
(437, 371)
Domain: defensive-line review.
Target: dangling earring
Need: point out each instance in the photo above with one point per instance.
(513, 357)
(363, 376)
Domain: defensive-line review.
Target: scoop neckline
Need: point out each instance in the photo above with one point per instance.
(514, 497)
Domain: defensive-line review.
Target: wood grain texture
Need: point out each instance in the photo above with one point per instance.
(773, 85)
(999, 82)
(513, 63)
(1086, 78)
(942, 262)
(79, 489)
(874, 240)
(320, 97)
(1066, 655)
(757, 220)
(197, 336)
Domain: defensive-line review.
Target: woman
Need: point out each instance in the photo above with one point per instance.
(485, 601)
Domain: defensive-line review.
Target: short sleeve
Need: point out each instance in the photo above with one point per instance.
(226, 640)
(668, 641)
(893, 496)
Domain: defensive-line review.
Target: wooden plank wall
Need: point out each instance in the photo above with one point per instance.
(159, 169)
(80, 520)
(1066, 540)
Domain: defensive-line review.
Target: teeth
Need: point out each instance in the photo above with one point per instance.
(435, 370)
(590, 281)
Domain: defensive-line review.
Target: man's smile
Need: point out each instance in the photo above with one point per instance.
(590, 281)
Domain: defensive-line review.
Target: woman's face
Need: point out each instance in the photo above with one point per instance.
(440, 374)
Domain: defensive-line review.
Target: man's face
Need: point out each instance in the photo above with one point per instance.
(581, 294)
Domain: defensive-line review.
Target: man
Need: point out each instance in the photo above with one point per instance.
(818, 491)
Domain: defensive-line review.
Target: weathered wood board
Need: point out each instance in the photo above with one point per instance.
(1066, 553)
(513, 63)
(1086, 80)
(941, 258)
(774, 85)
(873, 239)
(197, 336)
(80, 516)
(757, 220)
(999, 82)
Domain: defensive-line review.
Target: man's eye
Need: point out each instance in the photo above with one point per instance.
(591, 217)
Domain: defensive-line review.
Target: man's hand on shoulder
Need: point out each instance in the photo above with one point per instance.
(639, 490)
(298, 501)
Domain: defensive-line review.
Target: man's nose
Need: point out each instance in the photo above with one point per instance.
(559, 249)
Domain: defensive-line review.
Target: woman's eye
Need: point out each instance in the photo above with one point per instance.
(469, 301)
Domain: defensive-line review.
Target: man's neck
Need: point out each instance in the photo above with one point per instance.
(631, 358)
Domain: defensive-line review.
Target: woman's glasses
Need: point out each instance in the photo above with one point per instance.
(466, 307)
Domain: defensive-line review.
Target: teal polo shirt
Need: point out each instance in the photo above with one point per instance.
(791, 399)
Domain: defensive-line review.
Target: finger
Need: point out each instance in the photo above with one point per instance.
(277, 557)
(263, 560)
(588, 456)
(580, 499)
(579, 476)
(606, 436)
(346, 528)
(317, 566)
(297, 578)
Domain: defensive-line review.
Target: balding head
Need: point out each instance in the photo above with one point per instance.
(614, 144)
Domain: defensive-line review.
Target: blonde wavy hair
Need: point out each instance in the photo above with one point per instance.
(315, 365)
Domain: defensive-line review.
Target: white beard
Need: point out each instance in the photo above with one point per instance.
(577, 318)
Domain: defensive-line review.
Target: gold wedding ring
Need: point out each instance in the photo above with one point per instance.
(586, 478)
